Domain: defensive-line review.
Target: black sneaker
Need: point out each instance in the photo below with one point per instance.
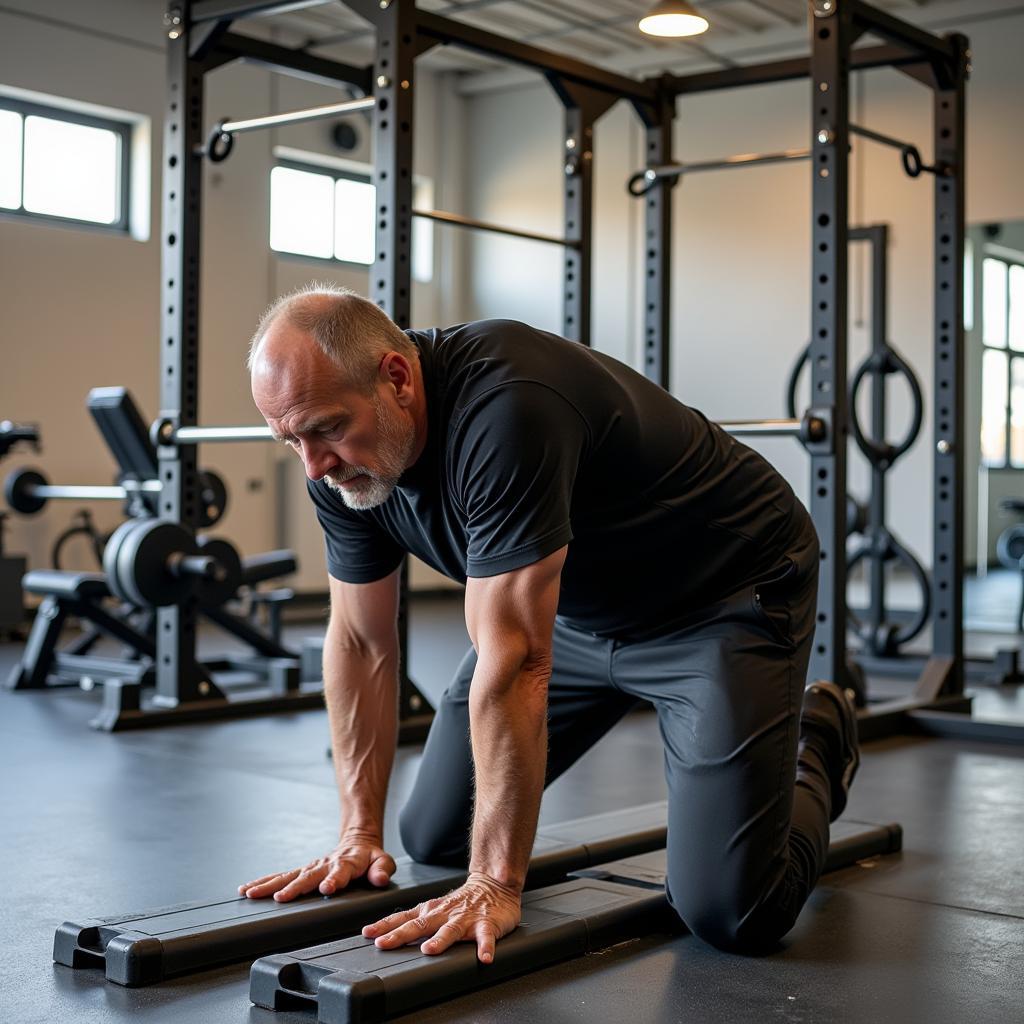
(843, 725)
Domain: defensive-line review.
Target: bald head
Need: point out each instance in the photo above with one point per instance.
(349, 330)
(338, 382)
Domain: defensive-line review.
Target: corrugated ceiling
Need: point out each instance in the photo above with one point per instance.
(605, 32)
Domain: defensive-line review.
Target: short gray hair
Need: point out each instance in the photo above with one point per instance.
(353, 331)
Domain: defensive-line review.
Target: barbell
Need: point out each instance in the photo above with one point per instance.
(27, 491)
(153, 563)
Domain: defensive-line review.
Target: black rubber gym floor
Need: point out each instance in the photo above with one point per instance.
(95, 824)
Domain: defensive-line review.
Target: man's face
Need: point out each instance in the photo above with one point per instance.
(358, 444)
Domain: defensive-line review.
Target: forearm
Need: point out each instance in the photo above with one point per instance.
(508, 726)
(361, 693)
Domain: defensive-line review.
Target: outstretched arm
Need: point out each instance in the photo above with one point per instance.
(361, 692)
(510, 619)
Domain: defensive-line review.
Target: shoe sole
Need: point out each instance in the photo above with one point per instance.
(848, 720)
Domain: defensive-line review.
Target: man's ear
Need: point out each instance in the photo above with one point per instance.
(397, 371)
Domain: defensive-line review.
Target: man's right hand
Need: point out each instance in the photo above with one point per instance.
(353, 857)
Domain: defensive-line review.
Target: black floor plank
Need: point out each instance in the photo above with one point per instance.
(853, 958)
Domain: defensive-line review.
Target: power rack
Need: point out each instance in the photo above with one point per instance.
(201, 39)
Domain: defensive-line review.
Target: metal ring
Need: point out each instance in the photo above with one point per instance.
(640, 178)
(912, 163)
(885, 547)
(794, 380)
(219, 144)
(879, 451)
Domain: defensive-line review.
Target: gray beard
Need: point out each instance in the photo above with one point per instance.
(396, 444)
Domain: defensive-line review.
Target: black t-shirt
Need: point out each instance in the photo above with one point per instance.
(535, 442)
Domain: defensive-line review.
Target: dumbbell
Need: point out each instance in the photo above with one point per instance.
(153, 563)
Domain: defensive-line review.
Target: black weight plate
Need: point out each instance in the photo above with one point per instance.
(217, 591)
(136, 561)
(213, 499)
(18, 491)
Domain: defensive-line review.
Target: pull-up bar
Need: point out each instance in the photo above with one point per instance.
(909, 153)
(457, 220)
(221, 139)
(649, 178)
(643, 181)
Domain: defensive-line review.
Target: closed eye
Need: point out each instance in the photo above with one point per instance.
(335, 432)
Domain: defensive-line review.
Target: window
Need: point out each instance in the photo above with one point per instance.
(1002, 367)
(326, 212)
(63, 165)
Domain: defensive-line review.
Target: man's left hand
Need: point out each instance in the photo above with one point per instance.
(482, 910)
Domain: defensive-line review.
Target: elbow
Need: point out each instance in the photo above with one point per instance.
(350, 643)
(516, 672)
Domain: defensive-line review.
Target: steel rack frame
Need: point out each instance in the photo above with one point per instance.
(942, 65)
(201, 39)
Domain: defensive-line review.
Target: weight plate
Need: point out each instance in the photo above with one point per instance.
(18, 491)
(217, 592)
(213, 499)
(137, 559)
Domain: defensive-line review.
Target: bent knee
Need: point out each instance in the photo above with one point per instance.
(427, 842)
(734, 929)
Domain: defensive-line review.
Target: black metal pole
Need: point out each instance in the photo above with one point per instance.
(579, 224)
(832, 36)
(179, 678)
(878, 239)
(658, 119)
(948, 464)
(391, 273)
(583, 106)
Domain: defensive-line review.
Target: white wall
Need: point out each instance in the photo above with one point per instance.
(80, 308)
(740, 256)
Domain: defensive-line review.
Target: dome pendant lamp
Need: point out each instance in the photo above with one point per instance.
(674, 19)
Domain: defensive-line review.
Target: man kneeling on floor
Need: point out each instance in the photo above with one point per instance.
(616, 547)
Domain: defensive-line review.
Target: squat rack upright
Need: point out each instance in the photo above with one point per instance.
(201, 40)
(942, 65)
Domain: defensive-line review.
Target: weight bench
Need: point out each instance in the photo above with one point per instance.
(350, 981)
(139, 949)
(85, 596)
(80, 595)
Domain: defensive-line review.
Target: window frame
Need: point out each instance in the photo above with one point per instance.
(292, 159)
(122, 129)
(1012, 354)
(334, 173)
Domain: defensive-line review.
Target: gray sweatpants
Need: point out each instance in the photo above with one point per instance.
(748, 797)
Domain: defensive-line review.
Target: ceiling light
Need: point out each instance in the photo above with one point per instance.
(674, 18)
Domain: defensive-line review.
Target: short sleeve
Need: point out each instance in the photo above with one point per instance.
(518, 450)
(358, 549)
